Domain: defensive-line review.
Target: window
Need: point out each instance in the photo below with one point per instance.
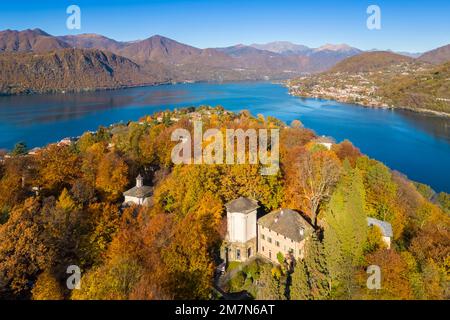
(238, 254)
(263, 237)
(263, 248)
(269, 239)
(270, 254)
(277, 243)
(249, 252)
(300, 252)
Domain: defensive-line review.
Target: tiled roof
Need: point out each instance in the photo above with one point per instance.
(242, 204)
(385, 227)
(139, 192)
(286, 222)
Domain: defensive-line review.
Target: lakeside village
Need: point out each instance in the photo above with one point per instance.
(278, 237)
(360, 88)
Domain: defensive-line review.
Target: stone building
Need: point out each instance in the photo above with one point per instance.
(281, 231)
(240, 241)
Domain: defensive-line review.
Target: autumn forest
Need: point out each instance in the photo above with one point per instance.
(62, 206)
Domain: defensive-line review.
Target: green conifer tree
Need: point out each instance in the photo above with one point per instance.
(300, 289)
(345, 232)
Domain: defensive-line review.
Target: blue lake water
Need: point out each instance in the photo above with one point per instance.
(415, 144)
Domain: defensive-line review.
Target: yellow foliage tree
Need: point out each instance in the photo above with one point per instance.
(57, 166)
(65, 201)
(188, 258)
(112, 176)
(46, 288)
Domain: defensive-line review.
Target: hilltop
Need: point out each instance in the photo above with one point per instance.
(437, 56)
(29, 40)
(92, 41)
(370, 61)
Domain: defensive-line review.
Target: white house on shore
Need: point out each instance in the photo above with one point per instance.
(325, 141)
(139, 194)
(385, 228)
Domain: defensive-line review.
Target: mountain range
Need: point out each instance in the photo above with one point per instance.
(153, 60)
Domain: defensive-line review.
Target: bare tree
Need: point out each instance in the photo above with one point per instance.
(319, 172)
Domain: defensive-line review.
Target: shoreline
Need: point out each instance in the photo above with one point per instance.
(100, 89)
(74, 91)
(404, 108)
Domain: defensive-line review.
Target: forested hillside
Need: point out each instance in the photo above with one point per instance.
(425, 90)
(71, 70)
(61, 206)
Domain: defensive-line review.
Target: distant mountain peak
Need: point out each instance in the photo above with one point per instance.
(35, 31)
(335, 47)
(161, 40)
(281, 47)
(157, 36)
(437, 56)
(160, 37)
(29, 40)
(40, 32)
(90, 35)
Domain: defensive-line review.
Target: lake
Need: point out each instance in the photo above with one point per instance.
(416, 144)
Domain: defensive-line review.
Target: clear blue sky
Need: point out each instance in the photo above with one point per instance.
(407, 25)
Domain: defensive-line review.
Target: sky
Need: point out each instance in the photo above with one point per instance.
(406, 25)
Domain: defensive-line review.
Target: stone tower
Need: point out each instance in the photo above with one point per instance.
(240, 241)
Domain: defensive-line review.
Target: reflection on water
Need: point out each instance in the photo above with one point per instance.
(41, 109)
(416, 144)
(158, 97)
(437, 126)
